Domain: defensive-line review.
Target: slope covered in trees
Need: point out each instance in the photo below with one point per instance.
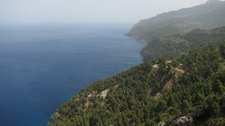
(175, 45)
(189, 90)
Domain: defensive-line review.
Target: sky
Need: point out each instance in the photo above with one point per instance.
(86, 11)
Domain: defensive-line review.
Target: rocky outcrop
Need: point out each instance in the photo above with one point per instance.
(161, 124)
(183, 121)
(174, 74)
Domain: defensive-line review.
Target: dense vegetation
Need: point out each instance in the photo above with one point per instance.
(175, 45)
(189, 90)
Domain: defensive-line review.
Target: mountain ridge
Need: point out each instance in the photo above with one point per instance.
(185, 15)
(206, 16)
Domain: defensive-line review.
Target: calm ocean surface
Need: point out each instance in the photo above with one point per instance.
(41, 67)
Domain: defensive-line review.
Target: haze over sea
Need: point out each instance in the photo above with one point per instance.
(42, 67)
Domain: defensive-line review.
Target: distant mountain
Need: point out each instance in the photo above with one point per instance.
(175, 45)
(206, 17)
(187, 91)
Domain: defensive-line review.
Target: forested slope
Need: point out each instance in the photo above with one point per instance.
(175, 45)
(189, 90)
(167, 33)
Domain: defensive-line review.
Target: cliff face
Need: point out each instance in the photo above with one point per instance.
(150, 31)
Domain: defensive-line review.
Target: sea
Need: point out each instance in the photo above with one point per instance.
(43, 66)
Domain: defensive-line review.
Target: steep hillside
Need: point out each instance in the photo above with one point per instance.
(189, 90)
(206, 16)
(170, 29)
(175, 45)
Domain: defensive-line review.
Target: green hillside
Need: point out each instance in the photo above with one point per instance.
(176, 45)
(205, 16)
(189, 90)
(171, 28)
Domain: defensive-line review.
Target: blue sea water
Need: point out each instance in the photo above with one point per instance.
(43, 66)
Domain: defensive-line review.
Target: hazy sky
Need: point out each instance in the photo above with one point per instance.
(86, 11)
